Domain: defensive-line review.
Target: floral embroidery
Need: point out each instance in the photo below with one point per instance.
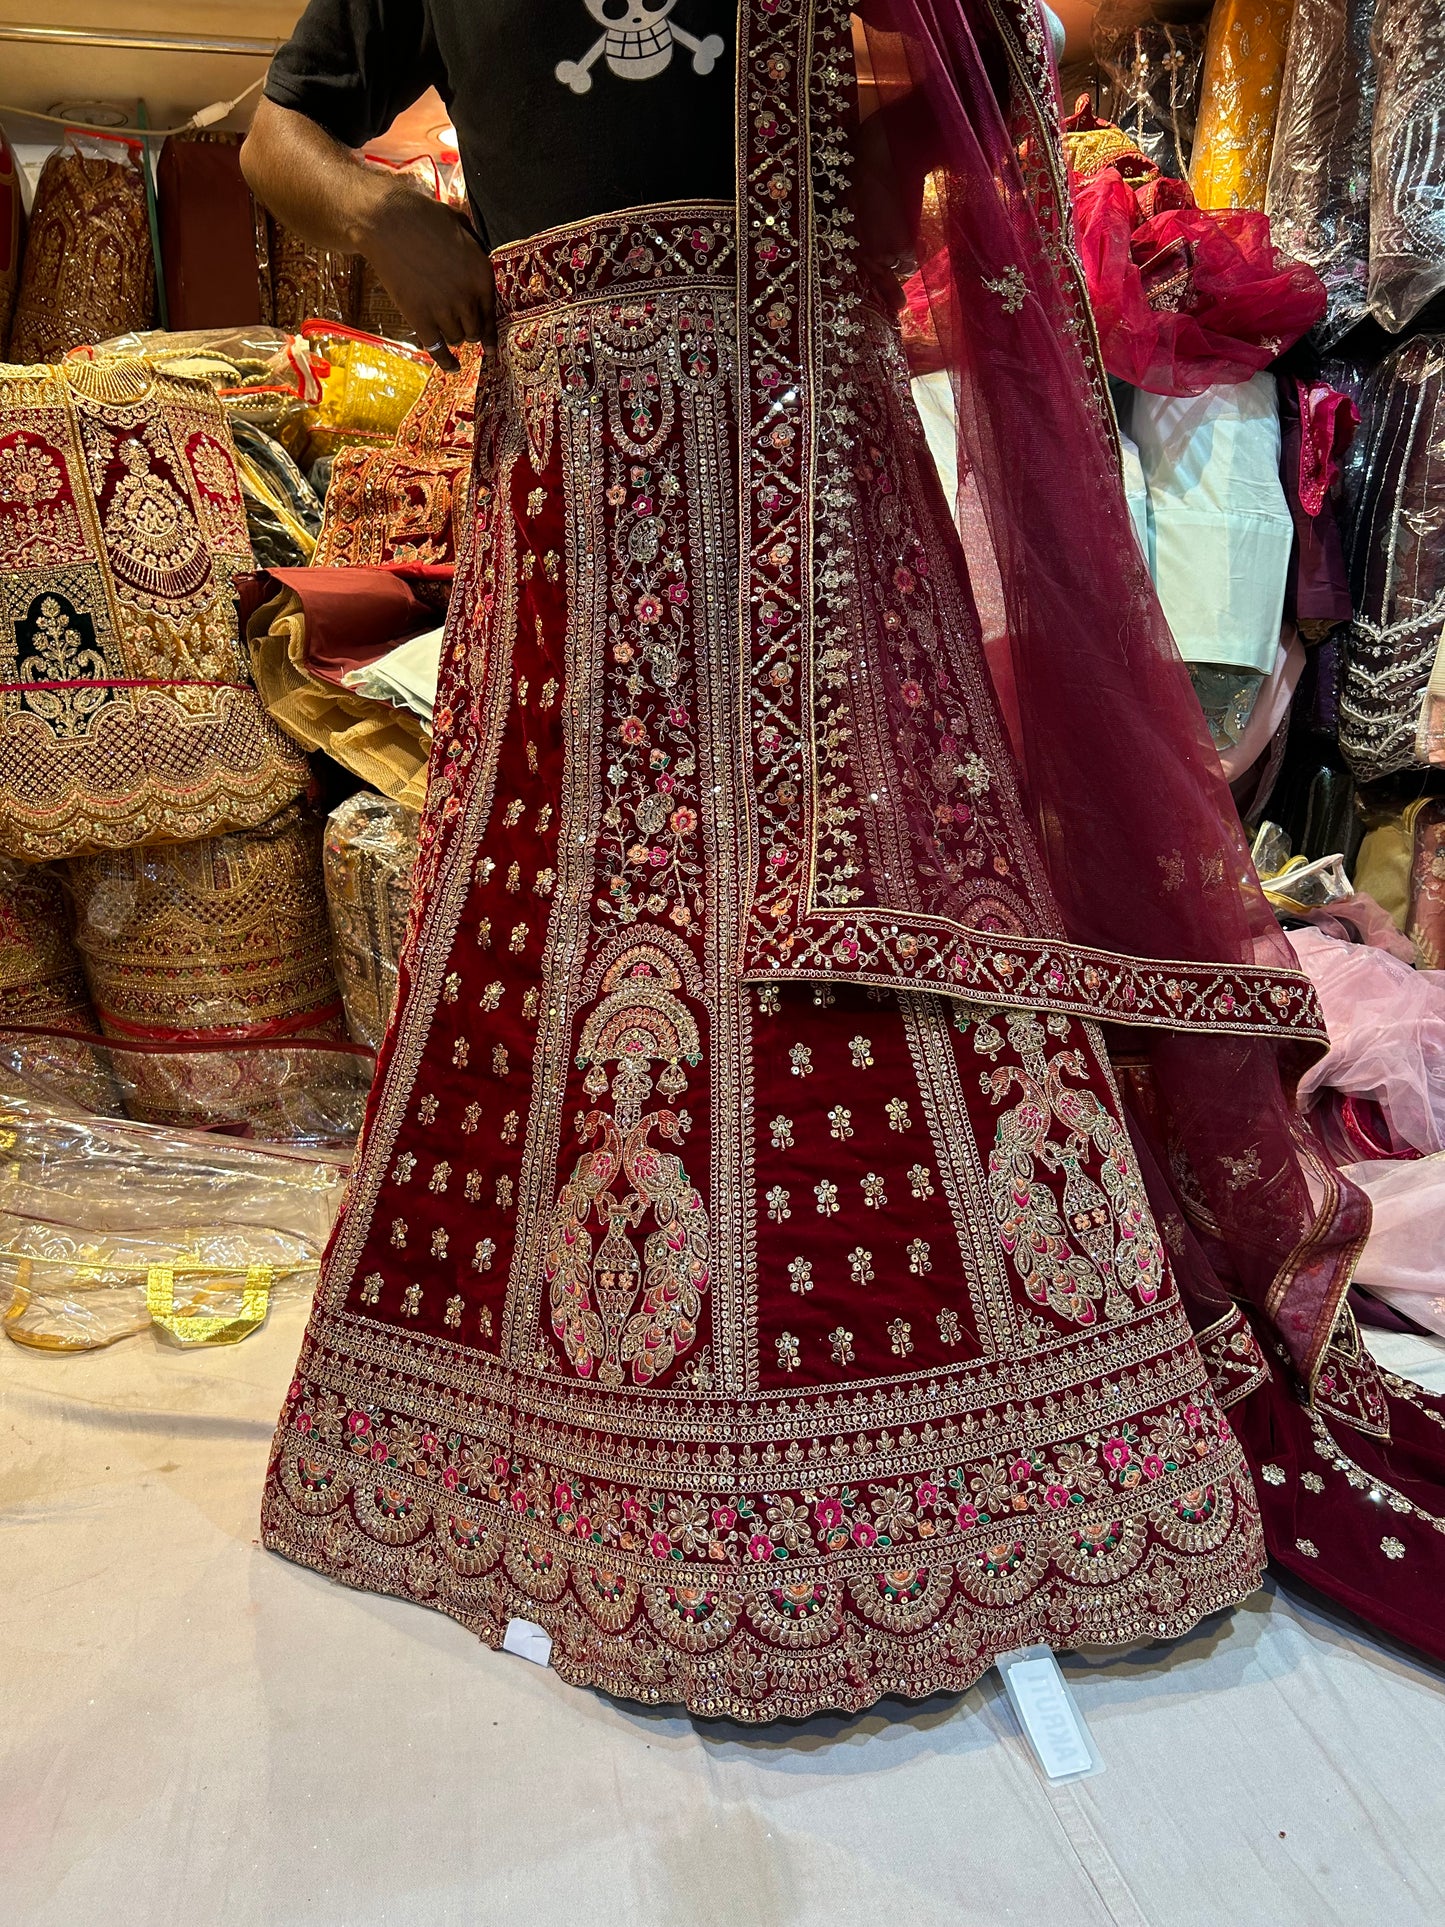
(921, 1180)
(874, 1194)
(461, 1053)
(801, 1059)
(504, 1193)
(530, 1004)
(500, 1065)
(411, 1300)
(950, 1331)
(1010, 287)
(426, 1110)
(782, 1133)
(1272, 1474)
(453, 1314)
(472, 1187)
(403, 1168)
(510, 1125)
(514, 878)
(788, 1354)
(371, 1287)
(840, 1121)
(860, 1265)
(862, 1052)
(1308, 1548)
(840, 1344)
(826, 1192)
(800, 1275)
(900, 1337)
(452, 986)
(1311, 1481)
(511, 816)
(398, 1234)
(483, 1255)
(919, 1261)
(471, 1118)
(441, 1173)
(544, 815)
(491, 996)
(439, 1242)
(517, 942)
(778, 1204)
(770, 1000)
(898, 1118)
(544, 883)
(1393, 1548)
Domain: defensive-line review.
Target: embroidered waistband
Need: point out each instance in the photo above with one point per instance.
(633, 252)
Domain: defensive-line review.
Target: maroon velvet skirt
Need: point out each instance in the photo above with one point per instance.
(775, 1345)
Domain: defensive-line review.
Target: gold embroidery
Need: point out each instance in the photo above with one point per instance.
(898, 1118)
(800, 1275)
(840, 1121)
(874, 1194)
(788, 1354)
(779, 1207)
(900, 1337)
(782, 1133)
(411, 1300)
(483, 1255)
(840, 1345)
(919, 1261)
(860, 1265)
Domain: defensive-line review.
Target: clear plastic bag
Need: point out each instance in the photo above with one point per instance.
(1407, 194)
(1149, 75)
(371, 845)
(1319, 178)
(108, 1228)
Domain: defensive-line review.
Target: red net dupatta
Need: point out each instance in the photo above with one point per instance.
(896, 837)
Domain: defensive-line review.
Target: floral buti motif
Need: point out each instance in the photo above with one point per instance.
(60, 664)
(616, 1310)
(1094, 1238)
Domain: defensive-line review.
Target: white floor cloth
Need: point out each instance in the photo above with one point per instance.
(194, 1732)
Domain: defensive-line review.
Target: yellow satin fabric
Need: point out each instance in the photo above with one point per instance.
(1243, 69)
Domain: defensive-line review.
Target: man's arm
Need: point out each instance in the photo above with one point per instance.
(428, 258)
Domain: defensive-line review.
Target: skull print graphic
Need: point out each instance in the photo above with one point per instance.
(637, 40)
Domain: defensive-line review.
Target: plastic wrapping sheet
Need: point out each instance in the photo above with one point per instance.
(367, 388)
(107, 1228)
(1407, 193)
(371, 846)
(41, 981)
(221, 941)
(1387, 1034)
(1395, 482)
(1243, 68)
(89, 268)
(302, 1091)
(1149, 78)
(283, 511)
(1318, 199)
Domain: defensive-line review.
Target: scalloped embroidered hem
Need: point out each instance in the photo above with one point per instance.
(758, 1654)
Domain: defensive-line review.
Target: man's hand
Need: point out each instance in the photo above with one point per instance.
(435, 270)
(429, 260)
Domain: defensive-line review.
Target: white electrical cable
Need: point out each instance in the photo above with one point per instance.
(203, 117)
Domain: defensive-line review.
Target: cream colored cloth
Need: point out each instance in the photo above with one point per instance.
(383, 745)
(196, 1734)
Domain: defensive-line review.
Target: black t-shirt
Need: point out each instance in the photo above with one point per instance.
(563, 108)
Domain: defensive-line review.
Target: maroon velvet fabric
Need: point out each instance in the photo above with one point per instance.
(355, 615)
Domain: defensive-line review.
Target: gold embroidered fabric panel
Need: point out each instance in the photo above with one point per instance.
(127, 713)
(775, 1346)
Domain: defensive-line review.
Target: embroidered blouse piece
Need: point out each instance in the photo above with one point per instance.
(371, 846)
(89, 270)
(127, 713)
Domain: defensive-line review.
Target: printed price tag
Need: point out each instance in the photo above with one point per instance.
(528, 1640)
(1049, 1715)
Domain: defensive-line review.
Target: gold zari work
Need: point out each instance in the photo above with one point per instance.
(127, 713)
(774, 1348)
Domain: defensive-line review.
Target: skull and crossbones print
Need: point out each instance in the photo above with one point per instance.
(638, 43)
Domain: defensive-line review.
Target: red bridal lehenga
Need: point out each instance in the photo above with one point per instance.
(749, 1272)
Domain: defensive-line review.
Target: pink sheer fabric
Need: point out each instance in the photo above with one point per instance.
(1185, 297)
(1387, 1034)
(1141, 842)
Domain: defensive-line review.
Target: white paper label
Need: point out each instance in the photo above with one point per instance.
(528, 1640)
(1052, 1722)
